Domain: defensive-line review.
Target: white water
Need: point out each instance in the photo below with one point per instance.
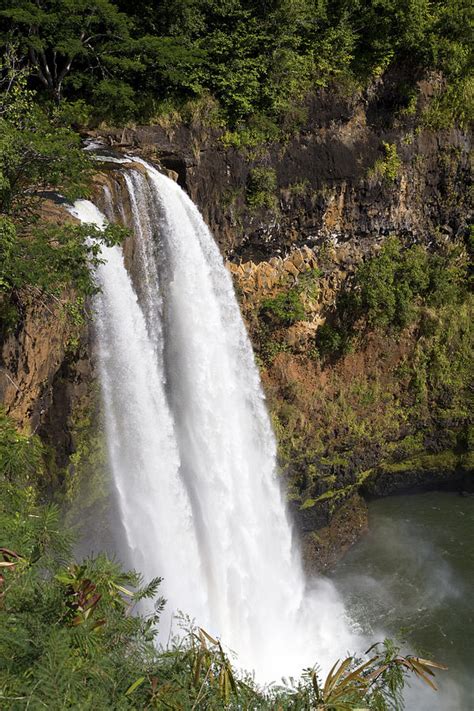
(191, 448)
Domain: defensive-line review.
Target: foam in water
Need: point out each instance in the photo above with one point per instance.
(191, 448)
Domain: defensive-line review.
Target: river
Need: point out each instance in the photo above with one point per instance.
(411, 576)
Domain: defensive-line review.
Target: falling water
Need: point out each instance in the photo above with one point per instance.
(191, 448)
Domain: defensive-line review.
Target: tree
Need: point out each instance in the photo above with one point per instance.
(38, 153)
(37, 150)
(56, 34)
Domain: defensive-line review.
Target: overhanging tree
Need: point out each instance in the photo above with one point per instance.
(38, 153)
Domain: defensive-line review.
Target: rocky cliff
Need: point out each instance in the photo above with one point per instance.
(297, 216)
(361, 166)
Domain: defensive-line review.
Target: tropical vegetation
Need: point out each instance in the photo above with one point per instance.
(75, 635)
(256, 58)
(82, 634)
(40, 153)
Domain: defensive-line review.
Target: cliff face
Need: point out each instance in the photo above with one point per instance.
(360, 167)
(384, 417)
(300, 214)
(46, 371)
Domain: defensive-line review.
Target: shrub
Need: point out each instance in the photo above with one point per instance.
(261, 187)
(385, 286)
(329, 340)
(389, 289)
(285, 309)
(388, 167)
(71, 636)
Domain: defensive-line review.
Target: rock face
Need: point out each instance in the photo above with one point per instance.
(30, 360)
(294, 215)
(324, 545)
(42, 345)
(46, 372)
(330, 180)
(45, 369)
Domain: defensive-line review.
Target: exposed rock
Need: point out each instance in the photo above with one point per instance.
(327, 187)
(323, 547)
(31, 357)
(422, 473)
(33, 354)
(332, 209)
(46, 370)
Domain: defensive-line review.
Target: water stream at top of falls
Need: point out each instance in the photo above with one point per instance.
(191, 448)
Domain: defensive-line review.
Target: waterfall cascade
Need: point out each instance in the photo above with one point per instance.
(191, 448)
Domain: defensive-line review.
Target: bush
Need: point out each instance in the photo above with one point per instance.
(261, 187)
(285, 309)
(329, 340)
(387, 168)
(389, 289)
(71, 636)
(386, 285)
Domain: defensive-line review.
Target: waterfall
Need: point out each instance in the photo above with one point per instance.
(191, 448)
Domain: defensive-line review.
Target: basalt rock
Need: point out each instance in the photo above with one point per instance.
(37, 350)
(328, 179)
(323, 545)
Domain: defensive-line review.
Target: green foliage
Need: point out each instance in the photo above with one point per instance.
(72, 636)
(443, 361)
(49, 259)
(56, 34)
(259, 60)
(300, 188)
(454, 103)
(385, 287)
(94, 53)
(389, 289)
(288, 307)
(67, 636)
(402, 400)
(308, 283)
(257, 131)
(38, 153)
(284, 309)
(388, 167)
(261, 187)
(20, 455)
(53, 257)
(86, 480)
(331, 341)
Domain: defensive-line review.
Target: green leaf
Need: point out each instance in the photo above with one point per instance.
(135, 685)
